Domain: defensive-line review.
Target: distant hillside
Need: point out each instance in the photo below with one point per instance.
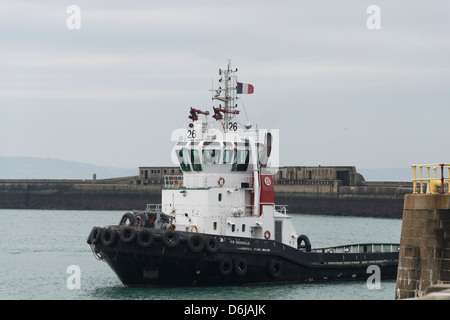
(38, 168)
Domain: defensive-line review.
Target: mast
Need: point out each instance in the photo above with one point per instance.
(226, 94)
(229, 97)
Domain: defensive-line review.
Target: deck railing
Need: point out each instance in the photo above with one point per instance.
(433, 180)
(361, 248)
(240, 211)
(153, 207)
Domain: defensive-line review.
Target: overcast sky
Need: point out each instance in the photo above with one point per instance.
(112, 92)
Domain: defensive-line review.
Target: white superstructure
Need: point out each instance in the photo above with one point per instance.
(226, 188)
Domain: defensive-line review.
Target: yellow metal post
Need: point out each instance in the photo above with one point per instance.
(414, 179)
(448, 179)
(421, 181)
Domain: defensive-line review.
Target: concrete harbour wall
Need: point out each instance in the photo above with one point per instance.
(76, 195)
(314, 197)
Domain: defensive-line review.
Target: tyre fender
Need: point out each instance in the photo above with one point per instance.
(240, 266)
(196, 243)
(127, 234)
(212, 245)
(145, 238)
(225, 266)
(95, 235)
(109, 237)
(128, 217)
(274, 268)
(171, 238)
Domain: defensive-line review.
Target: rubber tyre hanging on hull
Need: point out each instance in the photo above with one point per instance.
(128, 217)
(95, 235)
(109, 237)
(212, 245)
(225, 267)
(141, 220)
(171, 239)
(240, 266)
(274, 268)
(145, 238)
(196, 243)
(303, 243)
(127, 234)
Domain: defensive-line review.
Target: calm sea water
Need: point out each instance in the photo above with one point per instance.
(38, 246)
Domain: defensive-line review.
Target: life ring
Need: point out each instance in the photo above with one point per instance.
(267, 234)
(194, 228)
(221, 181)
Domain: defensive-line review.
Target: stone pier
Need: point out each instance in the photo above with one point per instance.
(425, 244)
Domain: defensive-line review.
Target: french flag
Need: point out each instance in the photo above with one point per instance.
(244, 88)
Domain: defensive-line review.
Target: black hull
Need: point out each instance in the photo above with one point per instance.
(169, 258)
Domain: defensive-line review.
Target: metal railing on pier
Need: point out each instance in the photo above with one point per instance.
(432, 179)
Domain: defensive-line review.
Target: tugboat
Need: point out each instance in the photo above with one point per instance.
(217, 223)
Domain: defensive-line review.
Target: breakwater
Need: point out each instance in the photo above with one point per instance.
(371, 199)
(113, 194)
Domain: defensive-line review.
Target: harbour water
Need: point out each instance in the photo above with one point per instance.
(44, 255)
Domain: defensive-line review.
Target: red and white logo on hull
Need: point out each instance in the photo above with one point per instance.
(267, 181)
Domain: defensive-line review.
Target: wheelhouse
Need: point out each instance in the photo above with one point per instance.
(212, 156)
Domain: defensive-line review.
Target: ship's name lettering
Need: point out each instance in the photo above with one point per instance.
(247, 243)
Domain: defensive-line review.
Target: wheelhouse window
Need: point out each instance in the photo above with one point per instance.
(227, 156)
(183, 159)
(195, 160)
(211, 156)
(241, 160)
